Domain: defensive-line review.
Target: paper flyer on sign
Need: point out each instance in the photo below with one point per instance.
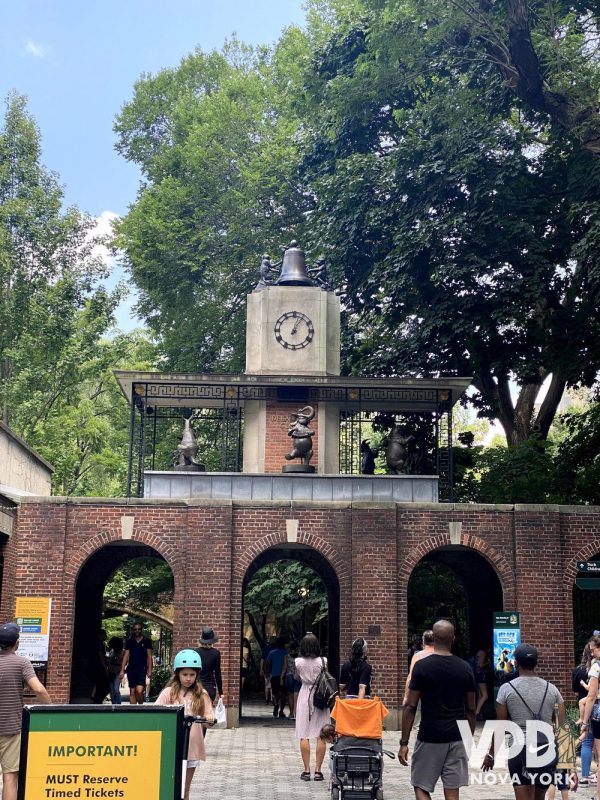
(33, 618)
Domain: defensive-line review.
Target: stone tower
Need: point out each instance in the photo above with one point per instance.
(292, 330)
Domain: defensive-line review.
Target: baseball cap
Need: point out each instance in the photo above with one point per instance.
(9, 633)
(526, 655)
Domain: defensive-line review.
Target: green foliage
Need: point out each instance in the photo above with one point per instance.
(458, 217)
(578, 456)
(435, 592)
(51, 310)
(158, 680)
(217, 152)
(145, 583)
(81, 424)
(288, 590)
(523, 473)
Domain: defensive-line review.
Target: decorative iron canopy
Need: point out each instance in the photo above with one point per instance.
(190, 390)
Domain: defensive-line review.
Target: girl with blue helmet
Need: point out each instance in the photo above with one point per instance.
(184, 689)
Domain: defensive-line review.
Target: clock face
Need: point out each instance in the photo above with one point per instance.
(294, 330)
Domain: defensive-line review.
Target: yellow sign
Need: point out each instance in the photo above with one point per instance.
(93, 765)
(32, 615)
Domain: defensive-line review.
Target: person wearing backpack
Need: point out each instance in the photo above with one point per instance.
(528, 697)
(309, 718)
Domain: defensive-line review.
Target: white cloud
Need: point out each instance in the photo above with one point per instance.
(34, 49)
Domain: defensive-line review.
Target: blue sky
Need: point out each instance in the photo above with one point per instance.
(77, 63)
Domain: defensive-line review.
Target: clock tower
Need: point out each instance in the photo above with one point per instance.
(292, 330)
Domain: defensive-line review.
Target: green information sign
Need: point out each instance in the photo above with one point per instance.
(101, 752)
(507, 619)
(589, 566)
(588, 583)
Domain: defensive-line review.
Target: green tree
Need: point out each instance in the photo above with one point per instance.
(578, 456)
(459, 216)
(75, 415)
(215, 148)
(142, 583)
(47, 273)
(290, 592)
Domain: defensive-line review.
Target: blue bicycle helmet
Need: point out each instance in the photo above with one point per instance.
(187, 658)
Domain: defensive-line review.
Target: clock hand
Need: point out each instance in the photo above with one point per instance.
(295, 328)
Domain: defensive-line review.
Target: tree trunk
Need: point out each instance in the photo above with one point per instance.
(255, 630)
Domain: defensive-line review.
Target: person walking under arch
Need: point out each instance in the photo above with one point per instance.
(310, 720)
(355, 675)
(137, 664)
(528, 697)
(592, 703)
(425, 651)
(445, 685)
(210, 676)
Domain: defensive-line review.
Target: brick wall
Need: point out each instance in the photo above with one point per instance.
(369, 549)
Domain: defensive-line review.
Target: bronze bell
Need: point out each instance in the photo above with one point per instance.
(293, 269)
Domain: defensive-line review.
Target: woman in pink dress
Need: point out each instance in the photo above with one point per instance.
(310, 720)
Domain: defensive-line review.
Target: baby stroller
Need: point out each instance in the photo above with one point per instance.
(357, 752)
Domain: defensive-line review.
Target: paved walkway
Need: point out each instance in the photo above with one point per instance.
(260, 762)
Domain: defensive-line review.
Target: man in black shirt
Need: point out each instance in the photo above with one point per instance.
(137, 662)
(445, 685)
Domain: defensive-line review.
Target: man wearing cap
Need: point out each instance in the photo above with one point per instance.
(15, 671)
(528, 697)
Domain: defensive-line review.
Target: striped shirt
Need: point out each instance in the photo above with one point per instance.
(15, 671)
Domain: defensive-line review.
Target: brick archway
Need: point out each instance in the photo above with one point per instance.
(278, 539)
(104, 538)
(475, 543)
(585, 554)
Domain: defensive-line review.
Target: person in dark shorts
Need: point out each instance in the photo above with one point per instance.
(528, 697)
(137, 664)
(446, 688)
(355, 675)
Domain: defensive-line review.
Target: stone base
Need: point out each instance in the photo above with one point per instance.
(306, 469)
(189, 468)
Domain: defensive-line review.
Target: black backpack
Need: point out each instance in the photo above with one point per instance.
(324, 689)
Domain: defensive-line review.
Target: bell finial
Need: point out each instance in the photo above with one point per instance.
(293, 269)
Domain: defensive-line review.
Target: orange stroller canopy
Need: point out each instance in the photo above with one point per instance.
(359, 718)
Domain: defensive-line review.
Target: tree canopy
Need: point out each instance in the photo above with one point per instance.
(216, 151)
(52, 309)
(289, 592)
(56, 384)
(441, 155)
(460, 217)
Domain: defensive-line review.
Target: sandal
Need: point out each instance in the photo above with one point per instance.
(305, 776)
(319, 776)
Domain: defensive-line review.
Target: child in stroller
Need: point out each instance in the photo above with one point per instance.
(357, 751)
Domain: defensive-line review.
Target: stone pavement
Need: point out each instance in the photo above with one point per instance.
(262, 761)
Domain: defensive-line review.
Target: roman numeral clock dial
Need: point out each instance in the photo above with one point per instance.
(294, 330)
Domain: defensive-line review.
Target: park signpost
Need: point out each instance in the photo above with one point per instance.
(591, 575)
(101, 752)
